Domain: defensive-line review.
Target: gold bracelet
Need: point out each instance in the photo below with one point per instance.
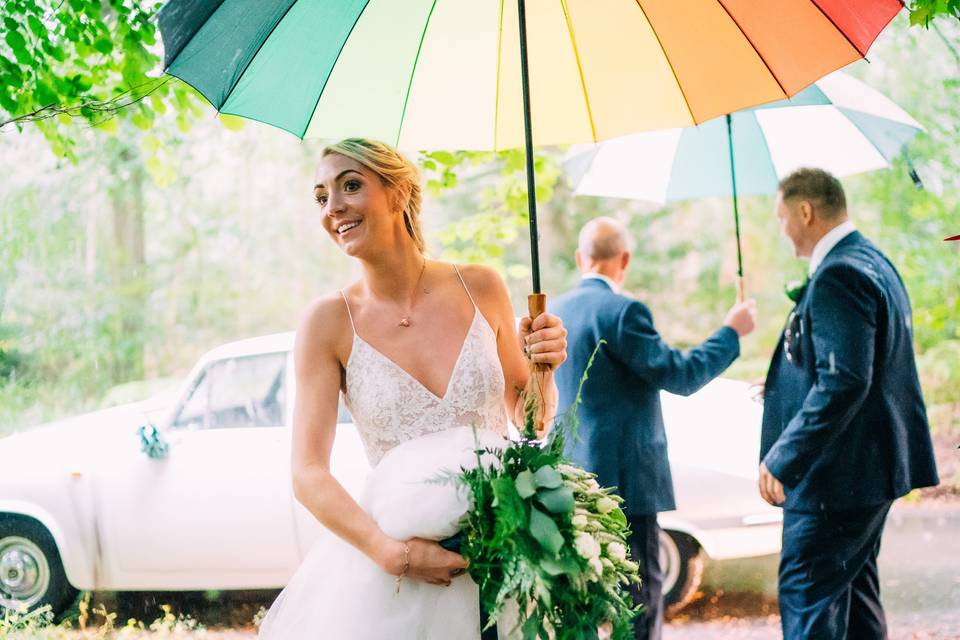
(406, 565)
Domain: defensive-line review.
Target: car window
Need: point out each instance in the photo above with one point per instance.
(246, 391)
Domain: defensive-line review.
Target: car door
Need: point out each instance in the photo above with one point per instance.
(217, 510)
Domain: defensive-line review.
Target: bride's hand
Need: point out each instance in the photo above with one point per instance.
(545, 339)
(430, 562)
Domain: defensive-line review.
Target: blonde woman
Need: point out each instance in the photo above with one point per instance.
(427, 356)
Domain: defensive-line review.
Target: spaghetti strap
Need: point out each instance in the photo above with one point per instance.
(465, 287)
(350, 313)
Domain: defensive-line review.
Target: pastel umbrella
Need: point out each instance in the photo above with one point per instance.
(482, 74)
(839, 124)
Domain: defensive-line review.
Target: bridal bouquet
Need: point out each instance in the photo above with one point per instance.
(541, 533)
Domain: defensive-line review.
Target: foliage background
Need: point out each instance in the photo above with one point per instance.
(133, 237)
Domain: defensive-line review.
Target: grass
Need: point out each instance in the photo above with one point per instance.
(87, 622)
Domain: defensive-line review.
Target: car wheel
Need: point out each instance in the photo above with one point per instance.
(31, 573)
(681, 561)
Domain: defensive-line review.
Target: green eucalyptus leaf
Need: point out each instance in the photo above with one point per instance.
(548, 477)
(559, 500)
(525, 484)
(545, 531)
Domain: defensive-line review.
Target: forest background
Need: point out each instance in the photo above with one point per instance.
(138, 228)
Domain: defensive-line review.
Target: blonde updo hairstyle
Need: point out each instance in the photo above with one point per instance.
(396, 172)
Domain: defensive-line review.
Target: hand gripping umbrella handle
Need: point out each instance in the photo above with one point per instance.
(536, 305)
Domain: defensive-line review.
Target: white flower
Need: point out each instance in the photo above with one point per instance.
(606, 504)
(586, 546)
(616, 551)
(580, 521)
(597, 566)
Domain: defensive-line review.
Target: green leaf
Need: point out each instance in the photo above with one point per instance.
(38, 28)
(233, 123)
(545, 531)
(8, 102)
(618, 516)
(19, 47)
(548, 477)
(103, 45)
(44, 94)
(560, 566)
(559, 500)
(531, 628)
(142, 120)
(444, 157)
(525, 484)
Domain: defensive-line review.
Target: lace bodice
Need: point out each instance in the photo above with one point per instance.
(389, 406)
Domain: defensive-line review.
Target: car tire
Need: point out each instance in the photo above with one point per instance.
(31, 572)
(681, 562)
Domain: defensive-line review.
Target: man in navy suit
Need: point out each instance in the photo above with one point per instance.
(845, 430)
(621, 435)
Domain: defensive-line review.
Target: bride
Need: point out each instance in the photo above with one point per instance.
(429, 361)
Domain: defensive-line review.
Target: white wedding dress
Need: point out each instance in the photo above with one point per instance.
(411, 437)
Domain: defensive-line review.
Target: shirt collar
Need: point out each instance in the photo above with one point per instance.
(828, 242)
(599, 276)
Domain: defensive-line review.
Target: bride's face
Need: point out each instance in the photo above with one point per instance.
(358, 210)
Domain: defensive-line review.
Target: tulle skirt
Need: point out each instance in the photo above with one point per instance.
(338, 592)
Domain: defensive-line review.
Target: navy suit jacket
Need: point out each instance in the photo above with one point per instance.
(621, 435)
(844, 424)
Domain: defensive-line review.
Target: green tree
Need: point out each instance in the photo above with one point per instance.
(67, 60)
(924, 12)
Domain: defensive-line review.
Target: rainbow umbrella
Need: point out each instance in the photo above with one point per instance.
(482, 74)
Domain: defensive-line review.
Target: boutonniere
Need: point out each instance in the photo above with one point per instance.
(795, 288)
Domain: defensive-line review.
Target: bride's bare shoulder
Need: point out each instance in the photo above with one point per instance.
(483, 281)
(324, 326)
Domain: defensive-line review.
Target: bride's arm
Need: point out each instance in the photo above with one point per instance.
(545, 337)
(318, 374)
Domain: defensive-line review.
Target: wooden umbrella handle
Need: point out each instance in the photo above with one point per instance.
(741, 290)
(537, 305)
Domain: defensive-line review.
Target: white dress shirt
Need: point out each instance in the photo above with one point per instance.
(599, 276)
(828, 242)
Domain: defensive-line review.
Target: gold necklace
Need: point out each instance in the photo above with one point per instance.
(405, 320)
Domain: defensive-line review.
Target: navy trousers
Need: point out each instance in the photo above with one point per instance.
(644, 544)
(829, 588)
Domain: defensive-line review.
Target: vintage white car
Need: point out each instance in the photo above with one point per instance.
(84, 507)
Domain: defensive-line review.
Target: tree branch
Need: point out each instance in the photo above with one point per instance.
(109, 108)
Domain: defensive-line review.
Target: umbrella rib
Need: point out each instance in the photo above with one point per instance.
(413, 70)
(656, 35)
(332, 67)
(862, 54)
(255, 54)
(496, 95)
(786, 94)
(576, 55)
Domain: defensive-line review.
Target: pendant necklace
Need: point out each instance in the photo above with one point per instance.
(405, 320)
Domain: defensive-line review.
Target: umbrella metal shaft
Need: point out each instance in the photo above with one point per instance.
(528, 144)
(736, 209)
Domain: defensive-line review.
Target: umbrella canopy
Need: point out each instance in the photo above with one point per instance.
(839, 124)
(427, 74)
